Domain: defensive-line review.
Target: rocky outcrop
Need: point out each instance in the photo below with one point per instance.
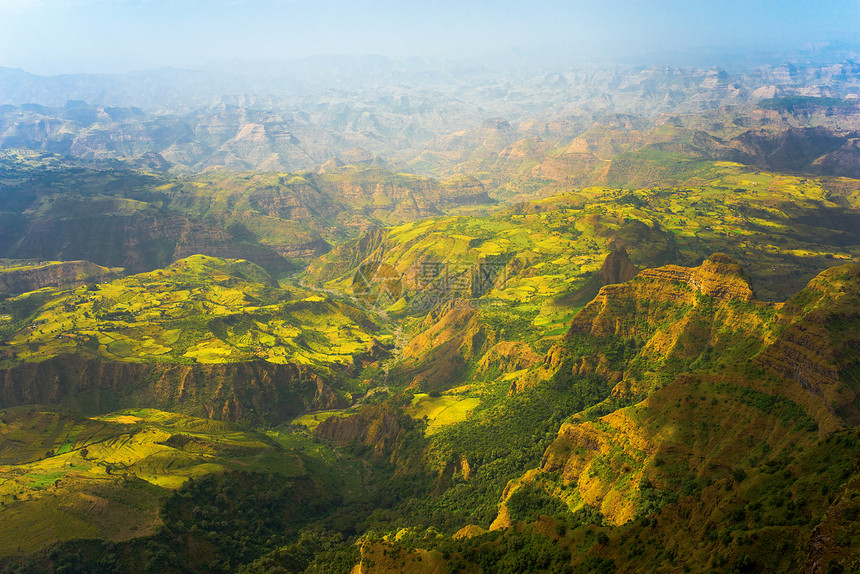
(509, 356)
(719, 277)
(497, 124)
(613, 310)
(254, 392)
(378, 427)
(824, 548)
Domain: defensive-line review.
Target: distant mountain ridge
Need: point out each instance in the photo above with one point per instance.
(293, 119)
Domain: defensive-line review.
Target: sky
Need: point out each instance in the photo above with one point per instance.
(114, 36)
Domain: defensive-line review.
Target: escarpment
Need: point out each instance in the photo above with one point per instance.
(25, 278)
(253, 392)
(719, 277)
(638, 333)
(818, 340)
(786, 373)
(378, 427)
(655, 294)
(137, 243)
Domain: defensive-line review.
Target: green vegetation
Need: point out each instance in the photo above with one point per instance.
(517, 404)
(122, 218)
(529, 503)
(200, 309)
(118, 468)
(442, 410)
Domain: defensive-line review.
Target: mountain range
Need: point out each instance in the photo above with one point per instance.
(593, 320)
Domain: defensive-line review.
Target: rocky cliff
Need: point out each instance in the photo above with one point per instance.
(791, 378)
(379, 428)
(257, 392)
(638, 332)
(17, 279)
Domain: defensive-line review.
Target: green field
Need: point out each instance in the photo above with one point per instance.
(198, 310)
(63, 476)
(442, 410)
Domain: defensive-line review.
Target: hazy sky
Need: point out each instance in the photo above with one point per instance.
(58, 36)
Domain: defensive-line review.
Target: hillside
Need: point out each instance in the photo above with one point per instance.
(206, 336)
(23, 277)
(737, 446)
(66, 477)
(427, 318)
(56, 208)
(636, 373)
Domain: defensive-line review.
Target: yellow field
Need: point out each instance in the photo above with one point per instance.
(442, 410)
(200, 309)
(64, 476)
(312, 420)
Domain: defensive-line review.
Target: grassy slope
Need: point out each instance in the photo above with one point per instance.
(64, 476)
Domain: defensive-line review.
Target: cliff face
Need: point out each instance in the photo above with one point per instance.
(379, 427)
(349, 255)
(66, 274)
(819, 338)
(137, 243)
(718, 277)
(56, 210)
(640, 332)
(673, 286)
(436, 357)
(616, 268)
(787, 374)
(252, 392)
(817, 150)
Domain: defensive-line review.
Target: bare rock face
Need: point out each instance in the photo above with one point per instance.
(65, 274)
(379, 427)
(509, 356)
(253, 392)
(616, 268)
(719, 277)
(715, 79)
